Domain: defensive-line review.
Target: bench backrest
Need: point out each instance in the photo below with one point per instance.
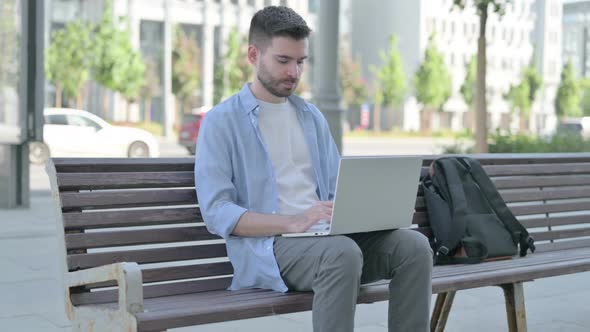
(146, 211)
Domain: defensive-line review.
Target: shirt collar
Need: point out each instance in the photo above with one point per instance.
(250, 103)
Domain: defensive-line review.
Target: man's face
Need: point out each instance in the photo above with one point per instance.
(279, 67)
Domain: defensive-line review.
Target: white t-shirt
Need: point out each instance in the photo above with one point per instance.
(284, 138)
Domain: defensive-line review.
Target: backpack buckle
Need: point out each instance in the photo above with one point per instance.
(442, 251)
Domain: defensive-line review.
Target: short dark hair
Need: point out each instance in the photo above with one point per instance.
(273, 21)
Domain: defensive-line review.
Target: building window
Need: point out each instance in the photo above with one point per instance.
(313, 6)
(429, 28)
(554, 8)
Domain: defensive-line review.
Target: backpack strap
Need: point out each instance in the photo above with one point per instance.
(519, 233)
(449, 185)
(475, 250)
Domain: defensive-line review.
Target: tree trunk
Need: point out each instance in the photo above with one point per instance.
(147, 112)
(127, 111)
(79, 101)
(523, 123)
(377, 118)
(57, 96)
(105, 103)
(481, 144)
(426, 120)
(178, 103)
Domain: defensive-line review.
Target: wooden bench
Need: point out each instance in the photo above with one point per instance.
(138, 257)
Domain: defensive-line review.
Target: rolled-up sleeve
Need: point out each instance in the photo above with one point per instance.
(216, 192)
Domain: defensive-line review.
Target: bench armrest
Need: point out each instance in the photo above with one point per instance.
(127, 276)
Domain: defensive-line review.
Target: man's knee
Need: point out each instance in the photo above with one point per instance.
(344, 254)
(413, 245)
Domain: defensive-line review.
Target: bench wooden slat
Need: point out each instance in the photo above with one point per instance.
(539, 195)
(540, 181)
(116, 180)
(177, 273)
(560, 234)
(538, 169)
(97, 165)
(137, 237)
(562, 245)
(444, 271)
(129, 218)
(556, 221)
(549, 208)
(520, 158)
(187, 309)
(142, 256)
(157, 290)
(127, 198)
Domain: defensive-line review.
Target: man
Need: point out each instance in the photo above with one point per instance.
(266, 165)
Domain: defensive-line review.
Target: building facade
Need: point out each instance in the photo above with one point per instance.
(511, 40)
(576, 35)
(151, 24)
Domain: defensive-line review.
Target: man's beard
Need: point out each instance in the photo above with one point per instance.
(271, 85)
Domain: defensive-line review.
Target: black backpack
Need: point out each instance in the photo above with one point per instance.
(468, 217)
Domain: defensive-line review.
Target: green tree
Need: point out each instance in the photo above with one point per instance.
(467, 89)
(117, 66)
(433, 83)
(237, 67)
(518, 97)
(482, 8)
(218, 86)
(8, 35)
(533, 78)
(390, 82)
(354, 87)
(186, 69)
(584, 85)
(151, 88)
(567, 100)
(67, 60)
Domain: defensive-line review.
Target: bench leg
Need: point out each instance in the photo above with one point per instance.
(515, 309)
(441, 310)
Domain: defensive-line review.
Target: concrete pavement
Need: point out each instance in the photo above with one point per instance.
(31, 296)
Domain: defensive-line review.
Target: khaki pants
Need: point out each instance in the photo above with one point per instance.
(333, 267)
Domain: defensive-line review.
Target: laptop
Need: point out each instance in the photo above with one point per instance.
(372, 194)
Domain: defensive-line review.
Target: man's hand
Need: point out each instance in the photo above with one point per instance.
(257, 224)
(321, 210)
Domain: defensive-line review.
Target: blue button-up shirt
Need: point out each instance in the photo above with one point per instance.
(234, 174)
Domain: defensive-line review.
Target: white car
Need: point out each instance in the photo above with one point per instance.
(77, 133)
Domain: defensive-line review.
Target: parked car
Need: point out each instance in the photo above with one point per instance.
(77, 133)
(189, 128)
(575, 126)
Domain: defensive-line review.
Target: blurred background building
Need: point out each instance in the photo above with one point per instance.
(152, 25)
(528, 28)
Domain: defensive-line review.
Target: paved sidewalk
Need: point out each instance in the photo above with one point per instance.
(31, 296)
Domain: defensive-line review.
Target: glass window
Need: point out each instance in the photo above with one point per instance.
(82, 121)
(10, 61)
(313, 6)
(56, 119)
